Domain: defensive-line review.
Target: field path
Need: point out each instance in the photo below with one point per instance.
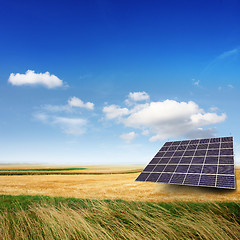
(115, 186)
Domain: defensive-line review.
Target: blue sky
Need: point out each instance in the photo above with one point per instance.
(91, 82)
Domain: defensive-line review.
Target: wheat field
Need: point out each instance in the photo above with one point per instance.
(112, 186)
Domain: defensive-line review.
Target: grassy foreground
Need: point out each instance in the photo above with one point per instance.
(38, 217)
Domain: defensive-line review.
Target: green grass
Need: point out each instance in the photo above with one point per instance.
(42, 217)
(41, 169)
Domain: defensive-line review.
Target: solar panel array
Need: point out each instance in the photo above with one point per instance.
(200, 162)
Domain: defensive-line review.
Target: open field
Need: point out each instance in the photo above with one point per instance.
(49, 170)
(112, 186)
(107, 203)
(29, 217)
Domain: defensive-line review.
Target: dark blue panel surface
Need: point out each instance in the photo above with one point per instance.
(213, 152)
(200, 153)
(214, 145)
(204, 162)
(164, 160)
(152, 177)
(178, 153)
(192, 179)
(174, 160)
(226, 169)
(214, 140)
(209, 169)
(182, 168)
(167, 144)
(195, 169)
(169, 154)
(149, 168)
(226, 160)
(170, 168)
(177, 178)
(165, 177)
(226, 152)
(227, 145)
(160, 154)
(207, 180)
(202, 146)
(185, 160)
(164, 149)
(189, 153)
(227, 139)
(197, 160)
(192, 147)
(142, 176)
(226, 181)
(182, 147)
(173, 148)
(159, 168)
(194, 141)
(211, 160)
(154, 161)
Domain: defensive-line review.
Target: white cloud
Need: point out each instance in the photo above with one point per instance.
(41, 117)
(66, 122)
(201, 133)
(73, 102)
(230, 86)
(57, 108)
(114, 111)
(229, 53)
(73, 126)
(166, 119)
(145, 132)
(128, 137)
(69, 125)
(134, 97)
(138, 96)
(76, 102)
(214, 109)
(32, 78)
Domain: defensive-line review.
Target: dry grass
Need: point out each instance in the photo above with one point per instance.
(116, 186)
(117, 220)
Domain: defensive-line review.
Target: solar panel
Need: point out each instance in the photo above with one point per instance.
(199, 162)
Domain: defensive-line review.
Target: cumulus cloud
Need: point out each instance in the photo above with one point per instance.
(134, 97)
(138, 96)
(31, 78)
(76, 102)
(166, 119)
(128, 137)
(114, 111)
(73, 103)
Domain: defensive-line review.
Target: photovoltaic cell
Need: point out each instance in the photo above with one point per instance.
(178, 178)
(198, 162)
